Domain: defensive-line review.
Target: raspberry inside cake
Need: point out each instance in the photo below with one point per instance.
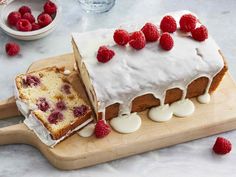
(136, 80)
(52, 103)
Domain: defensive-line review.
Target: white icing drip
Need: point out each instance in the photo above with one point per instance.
(160, 113)
(151, 70)
(204, 99)
(126, 123)
(87, 131)
(43, 134)
(67, 72)
(182, 108)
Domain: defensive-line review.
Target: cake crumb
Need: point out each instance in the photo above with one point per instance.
(67, 72)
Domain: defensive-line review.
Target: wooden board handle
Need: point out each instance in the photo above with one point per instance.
(14, 134)
(8, 108)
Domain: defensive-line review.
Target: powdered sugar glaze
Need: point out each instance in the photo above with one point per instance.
(132, 73)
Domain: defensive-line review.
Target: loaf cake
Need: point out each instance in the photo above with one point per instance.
(52, 107)
(136, 80)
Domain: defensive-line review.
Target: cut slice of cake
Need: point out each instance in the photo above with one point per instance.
(52, 107)
(136, 80)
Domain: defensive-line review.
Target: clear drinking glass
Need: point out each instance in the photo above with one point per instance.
(97, 6)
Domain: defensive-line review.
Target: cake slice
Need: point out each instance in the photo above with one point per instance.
(52, 107)
(136, 80)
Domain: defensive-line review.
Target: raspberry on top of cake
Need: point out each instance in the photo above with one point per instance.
(52, 101)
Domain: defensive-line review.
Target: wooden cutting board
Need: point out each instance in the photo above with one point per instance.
(77, 152)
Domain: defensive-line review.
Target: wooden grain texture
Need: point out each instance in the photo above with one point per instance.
(77, 152)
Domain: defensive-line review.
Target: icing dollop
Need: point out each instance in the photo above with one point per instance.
(87, 131)
(126, 123)
(204, 99)
(182, 108)
(160, 113)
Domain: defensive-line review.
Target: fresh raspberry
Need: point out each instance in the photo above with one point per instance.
(23, 25)
(61, 105)
(13, 18)
(137, 40)
(12, 48)
(66, 89)
(200, 33)
(31, 81)
(44, 19)
(29, 16)
(24, 9)
(50, 8)
(42, 104)
(121, 37)
(150, 32)
(168, 24)
(188, 22)
(55, 116)
(222, 146)
(102, 129)
(80, 110)
(104, 54)
(166, 41)
(35, 26)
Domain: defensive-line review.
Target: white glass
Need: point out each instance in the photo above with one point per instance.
(97, 6)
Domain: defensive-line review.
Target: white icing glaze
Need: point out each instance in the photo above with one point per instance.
(160, 113)
(87, 131)
(133, 73)
(67, 72)
(182, 108)
(43, 134)
(126, 123)
(204, 99)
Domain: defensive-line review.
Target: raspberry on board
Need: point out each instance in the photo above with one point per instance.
(104, 54)
(200, 33)
(166, 41)
(121, 37)
(13, 18)
(187, 22)
(137, 40)
(101, 129)
(168, 24)
(222, 146)
(12, 49)
(151, 32)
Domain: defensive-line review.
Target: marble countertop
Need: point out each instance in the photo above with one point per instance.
(188, 159)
